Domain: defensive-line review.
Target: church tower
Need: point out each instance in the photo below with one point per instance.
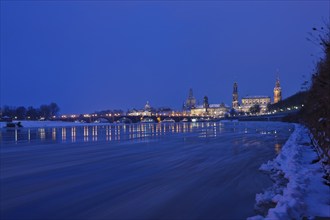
(277, 91)
(191, 101)
(235, 97)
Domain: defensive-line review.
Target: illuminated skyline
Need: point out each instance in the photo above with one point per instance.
(89, 56)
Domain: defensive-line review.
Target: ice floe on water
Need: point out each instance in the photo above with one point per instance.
(300, 189)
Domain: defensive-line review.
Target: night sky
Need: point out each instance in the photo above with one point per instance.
(89, 56)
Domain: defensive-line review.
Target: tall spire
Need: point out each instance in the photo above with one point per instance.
(191, 101)
(235, 96)
(191, 95)
(235, 88)
(277, 84)
(206, 102)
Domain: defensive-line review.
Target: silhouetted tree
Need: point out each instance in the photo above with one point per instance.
(316, 113)
(45, 111)
(297, 99)
(8, 111)
(255, 109)
(20, 113)
(233, 112)
(32, 113)
(54, 109)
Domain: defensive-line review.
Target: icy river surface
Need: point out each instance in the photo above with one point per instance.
(203, 170)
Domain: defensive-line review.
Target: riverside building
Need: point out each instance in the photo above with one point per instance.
(249, 101)
(146, 111)
(210, 110)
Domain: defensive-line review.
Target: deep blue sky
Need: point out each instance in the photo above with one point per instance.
(89, 56)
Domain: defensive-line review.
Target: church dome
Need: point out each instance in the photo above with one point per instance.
(147, 106)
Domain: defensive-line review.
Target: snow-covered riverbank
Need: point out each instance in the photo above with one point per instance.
(43, 124)
(299, 189)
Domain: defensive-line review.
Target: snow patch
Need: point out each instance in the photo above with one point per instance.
(299, 189)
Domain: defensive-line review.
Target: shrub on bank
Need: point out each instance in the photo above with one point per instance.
(315, 113)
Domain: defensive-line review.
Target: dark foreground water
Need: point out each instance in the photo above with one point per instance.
(140, 171)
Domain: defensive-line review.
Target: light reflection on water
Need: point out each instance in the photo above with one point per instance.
(119, 132)
(64, 134)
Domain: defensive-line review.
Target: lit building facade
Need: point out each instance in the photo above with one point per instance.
(146, 111)
(249, 101)
(210, 110)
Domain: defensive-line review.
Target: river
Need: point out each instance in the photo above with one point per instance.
(138, 171)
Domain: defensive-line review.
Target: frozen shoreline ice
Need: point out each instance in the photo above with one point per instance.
(299, 188)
